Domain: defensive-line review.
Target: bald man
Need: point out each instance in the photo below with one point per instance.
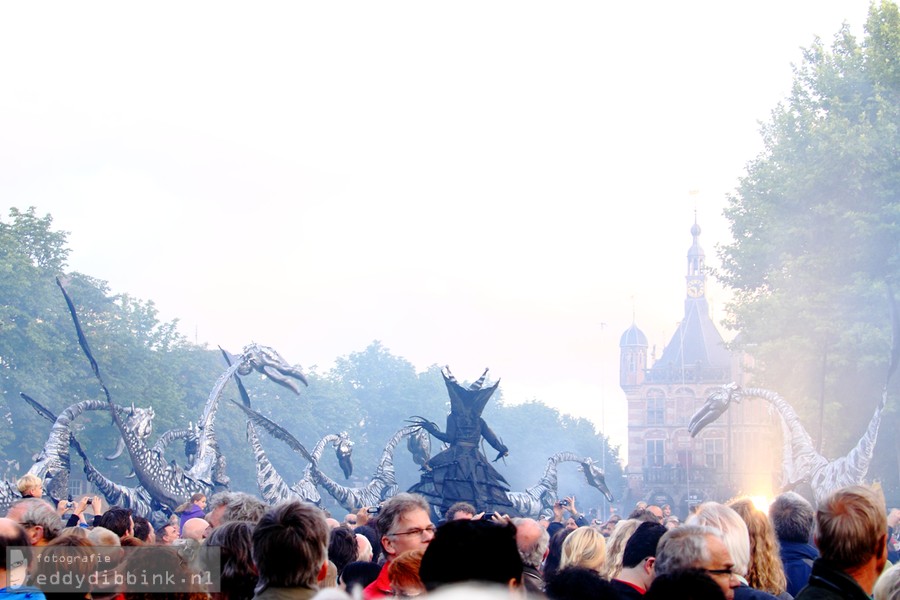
(532, 541)
(196, 529)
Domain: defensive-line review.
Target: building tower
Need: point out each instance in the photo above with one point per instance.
(665, 464)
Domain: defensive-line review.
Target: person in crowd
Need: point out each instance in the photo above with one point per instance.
(688, 584)
(404, 574)
(610, 525)
(13, 573)
(671, 522)
(554, 552)
(243, 507)
(636, 574)
(472, 550)
(64, 568)
(533, 541)
(655, 512)
(851, 534)
(290, 550)
(893, 520)
(143, 530)
(41, 522)
(118, 520)
(30, 486)
(238, 573)
(195, 529)
(585, 547)
(180, 579)
(460, 510)
(737, 539)
(166, 535)
(888, 585)
(574, 520)
(765, 571)
(216, 505)
(342, 548)
(403, 523)
(368, 531)
(363, 548)
(667, 511)
(792, 518)
(350, 520)
(193, 509)
(694, 547)
(331, 576)
(578, 583)
(615, 548)
(359, 574)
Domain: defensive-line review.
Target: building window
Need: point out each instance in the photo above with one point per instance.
(715, 453)
(655, 453)
(656, 411)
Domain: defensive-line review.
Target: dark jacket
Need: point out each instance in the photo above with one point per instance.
(828, 583)
(797, 558)
(625, 591)
(745, 592)
(532, 580)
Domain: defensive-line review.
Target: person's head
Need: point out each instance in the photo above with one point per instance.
(888, 585)
(851, 529)
(166, 535)
(40, 521)
(403, 573)
(350, 520)
(792, 517)
(13, 535)
(370, 534)
(472, 550)
(290, 545)
(689, 584)
(65, 562)
(30, 486)
(142, 529)
(578, 583)
(656, 512)
(243, 507)
(101, 536)
(195, 529)
(554, 551)
(640, 550)
(342, 548)
(234, 540)
(363, 548)
(585, 547)
(403, 524)
(667, 511)
(118, 520)
(733, 530)
(359, 574)
(216, 505)
(615, 546)
(532, 541)
(460, 510)
(199, 499)
(692, 547)
(765, 571)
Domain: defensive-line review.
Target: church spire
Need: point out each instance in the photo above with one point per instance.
(696, 265)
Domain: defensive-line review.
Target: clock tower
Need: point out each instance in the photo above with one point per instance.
(696, 272)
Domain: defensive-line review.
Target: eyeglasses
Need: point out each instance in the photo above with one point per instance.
(419, 531)
(728, 572)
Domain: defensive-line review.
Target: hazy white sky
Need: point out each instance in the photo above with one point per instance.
(472, 183)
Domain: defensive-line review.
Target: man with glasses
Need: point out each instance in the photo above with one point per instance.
(41, 522)
(692, 547)
(403, 523)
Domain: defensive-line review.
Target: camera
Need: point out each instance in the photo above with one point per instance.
(90, 501)
(488, 516)
(563, 502)
(373, 510)
(69, 503)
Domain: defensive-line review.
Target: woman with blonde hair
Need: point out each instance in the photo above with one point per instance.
(616, 547)
(765, 571)
(584, 547)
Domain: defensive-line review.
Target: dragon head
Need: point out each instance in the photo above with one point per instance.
(596, 478)
(715, 406)
(343, 448)
(268, 362)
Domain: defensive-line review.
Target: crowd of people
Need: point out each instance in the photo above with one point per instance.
(296, 551)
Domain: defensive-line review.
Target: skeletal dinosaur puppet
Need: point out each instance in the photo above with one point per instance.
(169, 484)
(271, 485)
(540, 498)
(52, 464)
(383, 484)
(800, 461)
(9, 493)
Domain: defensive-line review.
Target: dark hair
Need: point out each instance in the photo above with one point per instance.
(142, 528)
(52, 561)
(689, 584)
(360, 573)
(468, 550)
(342, 548)
(460, 507)
(579, 583)
(371, 535)
(554, 552)
(239, 576)
(792, 517)
(642, 544)
(116, 519)
(290, 545)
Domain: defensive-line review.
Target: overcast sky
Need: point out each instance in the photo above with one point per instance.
(479, 184)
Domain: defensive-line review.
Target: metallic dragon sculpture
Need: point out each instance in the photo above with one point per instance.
(541, 497)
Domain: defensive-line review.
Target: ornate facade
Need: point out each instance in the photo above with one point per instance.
(739, 455)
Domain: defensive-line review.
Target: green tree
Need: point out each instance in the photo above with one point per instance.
(816, 232)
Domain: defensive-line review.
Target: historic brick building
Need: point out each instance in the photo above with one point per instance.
(739, 453)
